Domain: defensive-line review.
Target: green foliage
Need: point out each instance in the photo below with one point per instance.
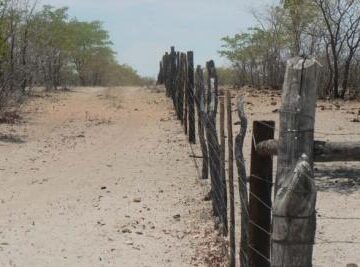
(325, 29)
(88, 42)
(86, 46)
(47, 47)
(255, 54)
(259, 54)
(227, 76)
(299, 15)
(247, 47)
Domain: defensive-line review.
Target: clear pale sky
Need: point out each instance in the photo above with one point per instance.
(142, 30)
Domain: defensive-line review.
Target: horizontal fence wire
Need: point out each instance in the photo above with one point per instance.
(264, 180)
(220, 200)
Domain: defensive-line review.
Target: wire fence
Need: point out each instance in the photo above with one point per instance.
(190, 93)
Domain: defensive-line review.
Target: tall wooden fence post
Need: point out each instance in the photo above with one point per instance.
(200, 104)
(172, 73)
(167, 73)
(182, 86)
(217, 192)
(294, 220)
(260, 197)
(231, 182)
(222, 157)
(160, 79)
(191, 100)
(177, 85)
(186, 96)
(243, 191)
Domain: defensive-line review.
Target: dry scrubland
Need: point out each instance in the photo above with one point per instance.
(103, 177)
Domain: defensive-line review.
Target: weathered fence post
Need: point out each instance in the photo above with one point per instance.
(217, 192)
(294, 220)
(323, 151)
(177, 85)
(160, 79)
(186, 97)
(182, 86)
(191, 100)
(240, 162)
(222, 156)
(200, 103)
(173, 74)
(167, 73)
(231, 181)
(260, 197)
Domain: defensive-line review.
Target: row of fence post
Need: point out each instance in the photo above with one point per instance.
(177, 73)
(259, 236)
(188, 88)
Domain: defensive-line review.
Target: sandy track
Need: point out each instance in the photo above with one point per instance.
(103, 178)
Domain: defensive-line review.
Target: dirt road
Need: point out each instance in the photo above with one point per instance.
(100, 177)
(103, 177)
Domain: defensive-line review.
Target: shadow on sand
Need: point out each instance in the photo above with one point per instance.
(10, 138)
(339, 177)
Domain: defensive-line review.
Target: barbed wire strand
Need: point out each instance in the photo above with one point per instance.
(215, 182)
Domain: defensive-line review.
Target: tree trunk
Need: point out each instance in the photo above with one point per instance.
(346, 74)
(336, 77)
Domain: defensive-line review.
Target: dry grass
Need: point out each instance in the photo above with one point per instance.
(113, 96)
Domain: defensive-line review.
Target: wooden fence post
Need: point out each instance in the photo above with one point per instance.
(160, 79)
(200, 104)
(191, 103)
(167, 73)
(186, 96)
(217, 191)
(182, 86)
(294, 219)
(231, 181)
(260, 196)
(323, 151)
(177, 85)
(240, 162)
(222, 156)
(173, 74)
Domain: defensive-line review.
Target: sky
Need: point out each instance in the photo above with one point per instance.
(142, 30)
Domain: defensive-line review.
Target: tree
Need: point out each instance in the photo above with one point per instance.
(44, 47)
(326, 29)
(300, 13)
(258, 53)
(341, 19)
(87, 40)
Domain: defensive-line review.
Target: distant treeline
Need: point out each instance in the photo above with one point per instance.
(45, 47)
(326, 29)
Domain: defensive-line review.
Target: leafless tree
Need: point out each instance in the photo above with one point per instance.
(341, 18)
